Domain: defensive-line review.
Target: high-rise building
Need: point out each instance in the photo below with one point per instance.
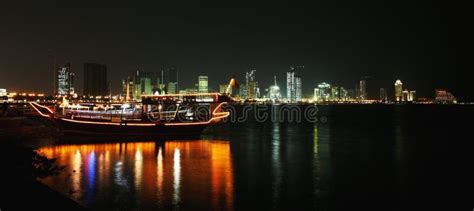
(290, 87)
(383, 95)
(173, 74)
(398, 90)
(203, 84)
(243, 91)
(323, 92)
(357, 92)
(294, 84)
(65, 80)
(343, 94)
(147, 83)
(405, 95)
(164, 76)
(334, 93)
(274, 92)
(412, 96)
(363, 90)
(127, 89)
(145, 86)
(95, 79)
(252, 84)
(298, 88)
(172, 87)
(316, 94)
(169, 77)
(443, 96)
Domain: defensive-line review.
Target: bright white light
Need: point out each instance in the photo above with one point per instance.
(176, 175)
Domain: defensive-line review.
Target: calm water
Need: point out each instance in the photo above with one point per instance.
(361, 156)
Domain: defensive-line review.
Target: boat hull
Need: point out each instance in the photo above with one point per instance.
(156, 130)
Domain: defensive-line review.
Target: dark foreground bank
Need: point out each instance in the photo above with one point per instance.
(20, 190)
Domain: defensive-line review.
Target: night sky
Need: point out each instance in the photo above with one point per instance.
(337, 41)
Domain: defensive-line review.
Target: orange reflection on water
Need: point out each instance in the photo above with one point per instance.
(171, 174)
(222, 181)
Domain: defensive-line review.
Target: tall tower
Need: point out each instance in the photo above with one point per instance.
(323, 92)
(412, 96)
(203, 82)
(274, 92)
(363, 90)
(290, 78)
(398, 90)
(383, 95)
(128, 89)
(298, 88)
(294, 84)
(251, 84)
(172, 83)
(65, 80)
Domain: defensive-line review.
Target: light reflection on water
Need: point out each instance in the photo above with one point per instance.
(159, 176)
(176, 176)
(360, 157)
(76, 176)
(169, 174)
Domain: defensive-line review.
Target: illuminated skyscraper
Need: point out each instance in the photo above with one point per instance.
(298, 89)
(127, 89)
(294, 84)
(398, 90)
(290, 87)
(334, 93)
(252, 84)
(343, 94)
(316, 94)
(145, 86)
(274, 92)
(203, 82)
(169, 78)
(405, 95)
(164, 76)
(363, 90)
(65, 80)
(147, 83)
(243, 91)
(172, 87)
(323, 92)
(412, 96)
(383, 95)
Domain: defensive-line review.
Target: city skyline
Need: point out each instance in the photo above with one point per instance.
(221, 42)
(163, 75)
